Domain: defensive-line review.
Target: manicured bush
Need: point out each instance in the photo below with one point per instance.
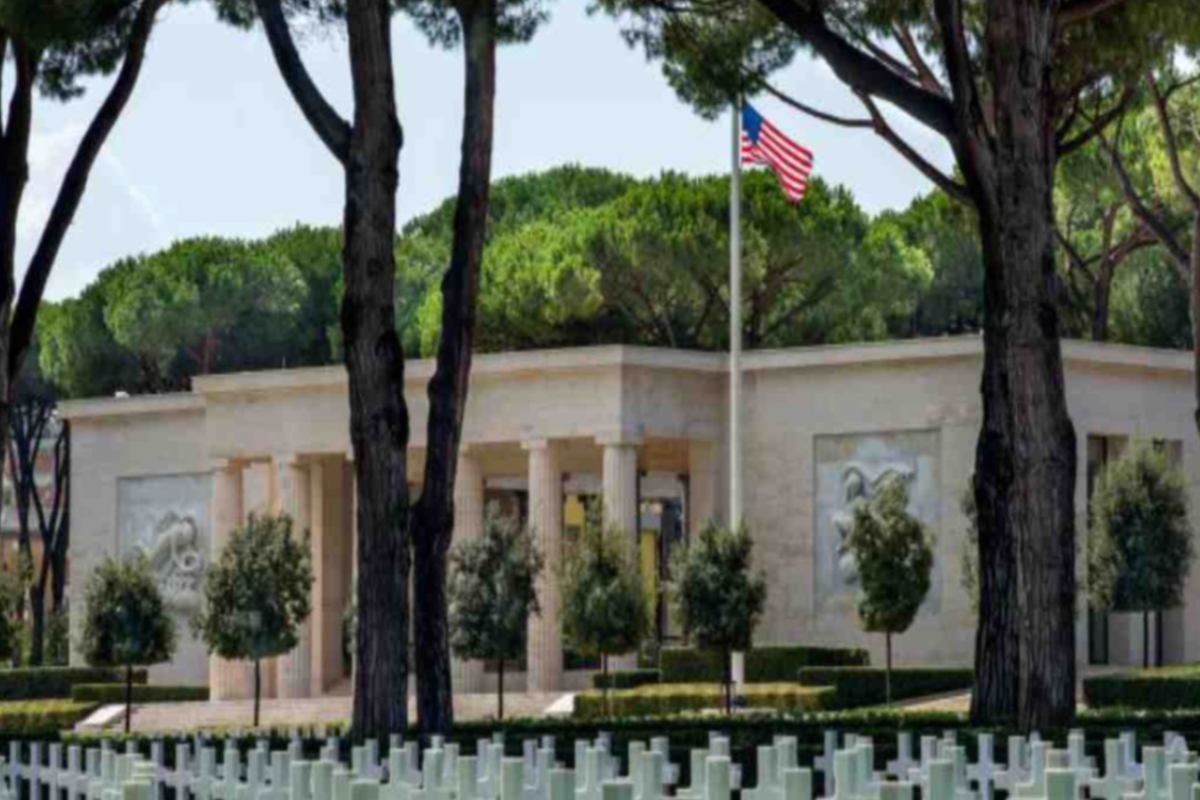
(676, 698)
(1168, 688)
(856, 687)
(764, 664)
(626, 679)
(43, 683)
(105, 693)
(40, 719)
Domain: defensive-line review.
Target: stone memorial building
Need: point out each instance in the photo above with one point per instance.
(644, 433)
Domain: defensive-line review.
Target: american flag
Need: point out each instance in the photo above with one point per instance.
(762, 143)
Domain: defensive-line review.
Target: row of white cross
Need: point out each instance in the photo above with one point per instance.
(939, 770)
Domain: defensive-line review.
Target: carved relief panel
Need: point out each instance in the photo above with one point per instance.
(166, 519)
(850, 470)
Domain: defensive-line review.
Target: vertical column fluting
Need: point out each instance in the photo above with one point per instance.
(545, 645)
(295, 668)
(467, 676)
(227, 680)
(620, 487)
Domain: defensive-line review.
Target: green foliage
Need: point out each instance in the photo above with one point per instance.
(257, 594)
(108, 693)
(12, 590)
(220, 304)
(1140, 544)
(970, 553)
(669, 699)
(764, 664)
(1167, 688)
(626, 679)
(40, 720)
(895, 559)
(492, 590)
(856, 687)
(125, 621)
(46, 683)
(1151, 303)
(58, 638)
(604, 607)
(718, 598)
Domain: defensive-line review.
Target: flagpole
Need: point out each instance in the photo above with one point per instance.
(735, 347)
(735, 321)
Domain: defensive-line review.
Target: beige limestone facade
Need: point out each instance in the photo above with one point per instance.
(641, 432)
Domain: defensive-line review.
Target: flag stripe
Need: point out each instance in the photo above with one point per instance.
(763, 144)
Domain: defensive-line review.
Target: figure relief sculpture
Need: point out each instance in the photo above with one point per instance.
(860, 483)
(172, 547)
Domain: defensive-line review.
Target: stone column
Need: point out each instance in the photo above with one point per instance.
(227, 680)
(467, 676)
(295, 668)
(545, 648)
(702, 481)
(620, 486)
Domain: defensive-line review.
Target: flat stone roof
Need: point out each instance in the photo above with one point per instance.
(515, 365)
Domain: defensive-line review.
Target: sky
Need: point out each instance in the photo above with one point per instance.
(212, 144)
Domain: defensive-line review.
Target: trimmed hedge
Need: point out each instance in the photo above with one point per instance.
(626, 679)
(766, 664)
(106, 693)
(44, 683)
(40, 719)
(676, 698)
(1167, 688)
(855, 687)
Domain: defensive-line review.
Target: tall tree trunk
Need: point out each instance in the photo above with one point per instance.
(1145, 640)
(1100, 302)
(375, 365)
(887, 679)
(128, 697)
(1025, 460)
(257, 690)
(433, 516)
(500, 692)
(37, 614)
(1195, 270)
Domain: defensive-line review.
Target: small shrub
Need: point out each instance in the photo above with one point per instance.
(855, 687)
(626, 679)
(40, 719)
(106, 693)
(670, 699)
(1171, 688)
(44, 683)
(764, 664)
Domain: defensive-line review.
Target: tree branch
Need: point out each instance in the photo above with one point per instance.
(860, 71)
(824, 116)
(912, 51)
(329, 126)
(1168, 133)
(1157, 225)
(74, 184)
(1072, 12)
(1095, 127)
(940, 179)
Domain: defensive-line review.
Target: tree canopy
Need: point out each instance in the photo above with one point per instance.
(1140, 549)
(579, 256)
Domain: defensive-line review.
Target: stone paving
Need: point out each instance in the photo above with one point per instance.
(316, 711)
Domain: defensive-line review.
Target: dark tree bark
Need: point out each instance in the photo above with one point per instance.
(369, 150)
(433, 516)
(887, 679)
(1026, 459)
(128, 697)
(1003, 135)
(375, 364)
(257, 690)
(500, 692)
